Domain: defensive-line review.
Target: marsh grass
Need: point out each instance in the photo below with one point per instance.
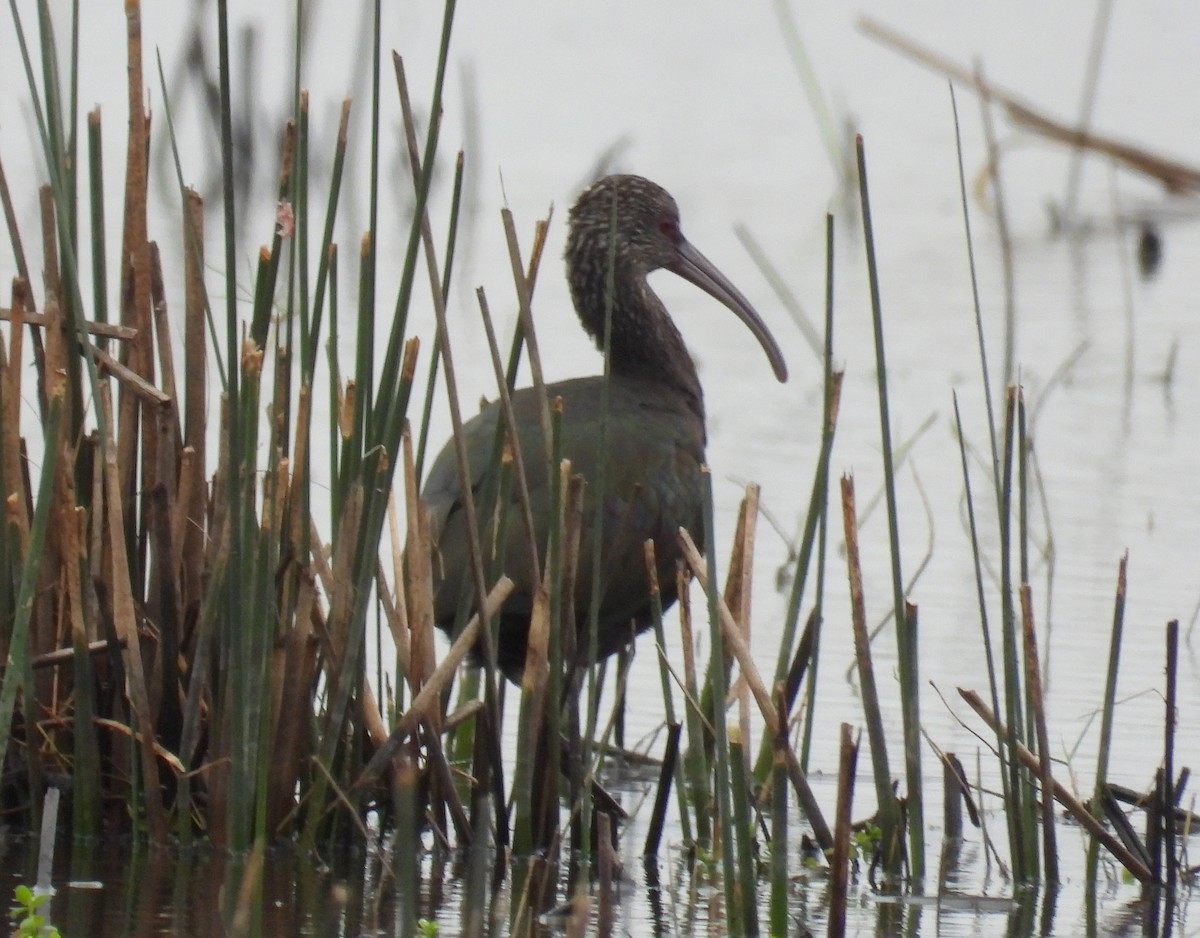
(211, 649)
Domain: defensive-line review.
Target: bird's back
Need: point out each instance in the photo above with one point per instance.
(652, 452)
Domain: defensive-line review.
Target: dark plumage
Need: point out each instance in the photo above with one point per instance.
(656, 435)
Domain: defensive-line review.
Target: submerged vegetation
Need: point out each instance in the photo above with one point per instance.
(203, 644)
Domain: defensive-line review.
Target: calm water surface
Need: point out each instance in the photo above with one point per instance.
(706, 101)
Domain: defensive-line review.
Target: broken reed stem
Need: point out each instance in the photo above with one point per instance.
(888, 812)
(736, 644)
(1077, 810)
(124, 616)
(665, 676)
(779, 826)
(1166, 805)
(745, 887)
(1033, 678)
(839, 864)
(662, 792)
(424, 702)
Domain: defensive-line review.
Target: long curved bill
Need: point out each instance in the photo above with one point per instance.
(695, 268)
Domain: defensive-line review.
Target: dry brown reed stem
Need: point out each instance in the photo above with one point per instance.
(888, 811)
(193, 489)
(412, 562)
(1176, 176)
(419, 593)
(62, 655)
(1072, 804)
(170, 759)
(423, 656)
(129, 380)
(474, 549)
(737, 594)
(400, 623)
(537, 647)
(125, 619)
(839, 862)
(741, 651)
(682, 591)
(297, 492)
(341, 578)
(394, 606)
(73, 521)
(103, 329)
(137, 355)
(573, 528)
(290, 735)
(181, 521)
(424, 703)
(1033, 680)
(512, 441)
(163, 598)
(10, 429)
(52, 285)
(525, 313)
(372, 718)
(166, 356)
(51, 276)
(605, 872)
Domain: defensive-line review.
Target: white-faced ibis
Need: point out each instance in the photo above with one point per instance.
(655, 433)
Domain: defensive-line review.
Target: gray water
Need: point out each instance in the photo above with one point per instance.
(705, 100)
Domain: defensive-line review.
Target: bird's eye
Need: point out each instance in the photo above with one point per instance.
(669, 227)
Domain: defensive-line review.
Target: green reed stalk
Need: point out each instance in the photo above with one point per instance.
(722, 756)
(1011, 774)
(906, 644)
(780, 881)
(743, 833)
(435, 357)
(993, 436)
(1022, 822)
(979, 587)
(373, 448)
(18, 673)
(1104, 744)
(664, 674)
(240, 834)
(364, 363)
(1170, 793)
(193, 242)
(96, 191)
(1012, 695)
(831, 393)
(658, 814)
(1023, 532)
(584, 847)
(814, 523)
(310, 335)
